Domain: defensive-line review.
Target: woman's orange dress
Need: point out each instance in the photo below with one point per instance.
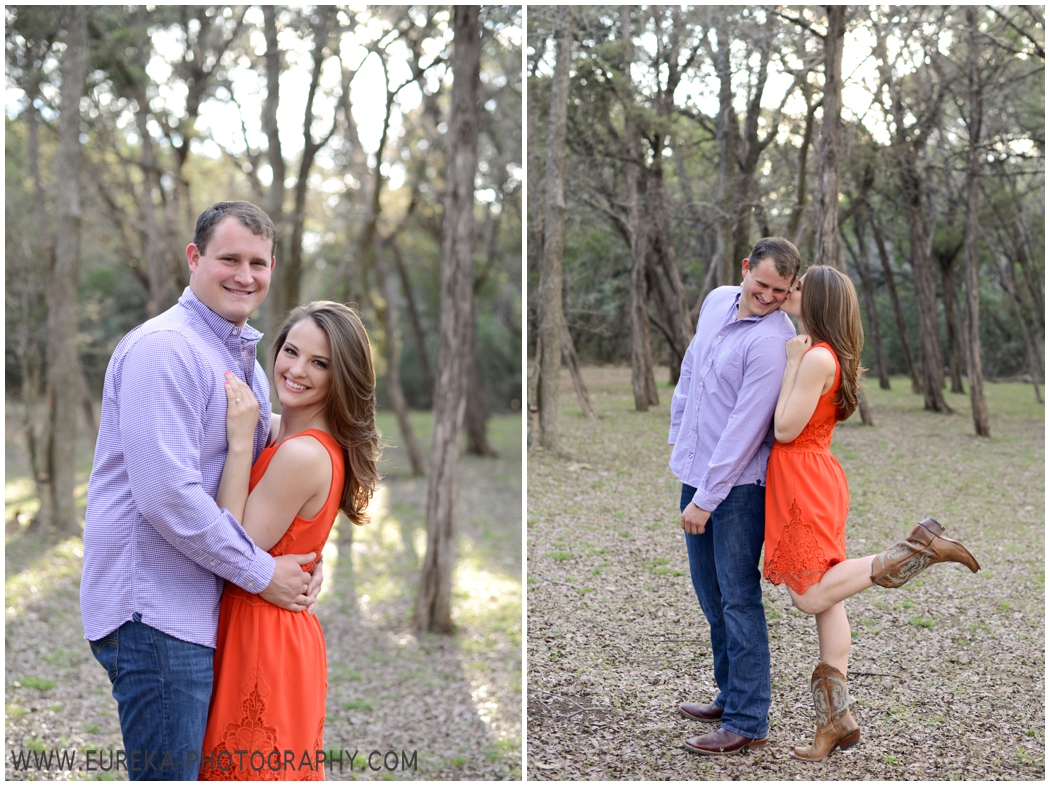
(807, 500)
(271, 669)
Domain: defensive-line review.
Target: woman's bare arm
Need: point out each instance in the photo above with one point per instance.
(809, 372)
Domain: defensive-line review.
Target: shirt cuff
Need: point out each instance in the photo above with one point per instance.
(672, 436)
(258, 575)
(705, 500)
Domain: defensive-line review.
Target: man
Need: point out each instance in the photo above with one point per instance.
(156, 546)
(721, 435)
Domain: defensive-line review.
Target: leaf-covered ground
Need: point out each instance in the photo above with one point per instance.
(947, 673)
(454, 702)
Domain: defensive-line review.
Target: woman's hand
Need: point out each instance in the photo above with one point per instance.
(242, 413)
(797, 347)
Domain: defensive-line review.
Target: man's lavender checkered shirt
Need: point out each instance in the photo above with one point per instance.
(722, 408)
(155, 542)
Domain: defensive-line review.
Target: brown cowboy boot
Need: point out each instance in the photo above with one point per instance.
(835, 725)
(906, 559)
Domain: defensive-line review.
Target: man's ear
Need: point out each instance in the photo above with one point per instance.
(744, 267)
(193, 256)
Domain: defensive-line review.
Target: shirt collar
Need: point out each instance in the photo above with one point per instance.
(222, 328)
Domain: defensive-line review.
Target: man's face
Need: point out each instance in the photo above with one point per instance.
(232, 276)
(762, 290)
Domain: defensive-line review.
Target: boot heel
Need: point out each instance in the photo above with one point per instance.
(850, 739)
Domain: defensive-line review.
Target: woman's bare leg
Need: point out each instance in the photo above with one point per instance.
(833, 633)
(841, 581)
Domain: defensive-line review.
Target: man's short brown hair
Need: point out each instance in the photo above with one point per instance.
(781, 251)
(248, 214)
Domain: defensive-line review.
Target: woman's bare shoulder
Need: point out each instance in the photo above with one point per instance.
(302, 458)
(821, 358)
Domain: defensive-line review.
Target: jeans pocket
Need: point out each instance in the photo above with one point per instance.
(106, 654)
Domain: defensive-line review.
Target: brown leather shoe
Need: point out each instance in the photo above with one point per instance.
(705, 713)
(722, 742)
(908, 558)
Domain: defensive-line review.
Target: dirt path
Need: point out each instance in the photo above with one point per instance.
(450, 706)
(947, 672)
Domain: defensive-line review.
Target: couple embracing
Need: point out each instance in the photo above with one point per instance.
(751, 427)
(207, 515)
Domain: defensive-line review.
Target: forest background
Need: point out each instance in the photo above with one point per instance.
(346, 125)
(693, 131)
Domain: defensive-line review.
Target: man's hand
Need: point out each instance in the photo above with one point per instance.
(289, 586)
(694, 519)
(316, 579)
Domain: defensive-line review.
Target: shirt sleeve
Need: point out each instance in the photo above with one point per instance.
(681, 390)
(748, 423)
(163, 403)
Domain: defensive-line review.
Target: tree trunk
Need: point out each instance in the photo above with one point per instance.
(931, 361)
(643, 382)
(63, 364)
(38, 420)
(795, 225)
(828, 242)
(291, 279)
(433, 610)
(274, 307)
(898, 312)
(674, 306)
(727, 138)
(413, 316)
(532, 394)
(551, 314)
(868, 288)
(1006, 273)
(946, 263)
(477, 407)
(393, 373)
(157, 255)
(568, 350)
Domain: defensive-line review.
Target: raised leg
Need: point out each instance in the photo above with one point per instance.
(841, 581)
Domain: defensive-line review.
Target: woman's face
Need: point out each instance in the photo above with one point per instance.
(793, 303)
(302, 370)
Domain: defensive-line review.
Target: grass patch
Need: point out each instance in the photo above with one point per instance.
(38, 683)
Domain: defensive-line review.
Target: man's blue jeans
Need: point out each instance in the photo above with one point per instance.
(723, 563)
(163, 687)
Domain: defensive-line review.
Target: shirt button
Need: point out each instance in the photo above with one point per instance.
(213, 562)
(251, 583)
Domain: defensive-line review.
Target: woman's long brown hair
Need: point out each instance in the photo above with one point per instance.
(350, 410)
(831, 313)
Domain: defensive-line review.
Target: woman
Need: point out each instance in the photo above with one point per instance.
(267, 712)
(807, 498)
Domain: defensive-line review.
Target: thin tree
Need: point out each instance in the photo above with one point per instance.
(862, 263)
(551, 315)
(828, 241)
(972, 336)
(909, 140)
(63, 363)
(433, 611)
(895, 301)
(643, 382)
